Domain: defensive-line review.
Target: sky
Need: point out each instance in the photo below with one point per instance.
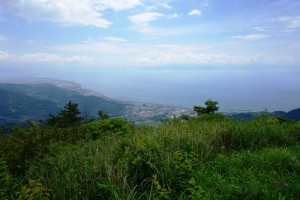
(172, 35)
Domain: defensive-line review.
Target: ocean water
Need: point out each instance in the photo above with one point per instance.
(234, 89)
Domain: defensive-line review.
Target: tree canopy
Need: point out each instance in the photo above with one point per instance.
(68, 116)
(211, 107)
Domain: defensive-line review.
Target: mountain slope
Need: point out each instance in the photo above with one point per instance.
(36, 101)
(17, 107)
(28, 101)
(293, 114)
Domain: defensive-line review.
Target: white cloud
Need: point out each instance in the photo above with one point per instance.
(98, 47)
(292, 22)
(116, 4)
(259, 29)
(44, 58)
(53, 58)
(251, 37)
(144, 18)
(206, 3)
(3, 38)
(194, 12)
(164, 54)
(114, 39)
(78, 12)
(167, 6)
(158, 5)
(68, 12)
(4, 55)
(129, 54)
(40, 57)
(126, 48)
(163, 58)
(173, 16)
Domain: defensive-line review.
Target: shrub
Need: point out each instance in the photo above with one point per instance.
(116, 126)
(211, 107)
(23, 145)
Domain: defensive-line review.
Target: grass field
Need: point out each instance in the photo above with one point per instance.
(206, 157)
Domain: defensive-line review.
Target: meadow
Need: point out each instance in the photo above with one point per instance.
(203, 157)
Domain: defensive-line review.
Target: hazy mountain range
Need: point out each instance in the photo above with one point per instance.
(293, 114)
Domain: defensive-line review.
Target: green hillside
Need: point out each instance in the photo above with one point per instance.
(36, 100)
(20, 102)
(17, 107)
(204, 157)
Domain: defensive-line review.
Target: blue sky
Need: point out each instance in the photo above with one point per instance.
(138, 33)
(243, 53)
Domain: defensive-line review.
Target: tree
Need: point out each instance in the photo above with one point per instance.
(103, 115)
(67, 116)
(211, 107)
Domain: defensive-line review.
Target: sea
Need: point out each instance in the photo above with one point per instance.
(239, 88)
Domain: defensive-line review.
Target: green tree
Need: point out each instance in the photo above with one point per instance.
(67, 116)
(103, 115)
(211, 107)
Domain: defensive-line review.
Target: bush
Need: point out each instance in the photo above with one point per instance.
(116, 126)
(24, 145)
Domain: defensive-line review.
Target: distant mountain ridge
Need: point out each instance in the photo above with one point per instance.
(37, 98)
(292, 114)
(55, 82)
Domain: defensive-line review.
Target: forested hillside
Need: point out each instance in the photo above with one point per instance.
(35, 101)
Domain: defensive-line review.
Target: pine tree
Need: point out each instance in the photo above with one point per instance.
(67, 116)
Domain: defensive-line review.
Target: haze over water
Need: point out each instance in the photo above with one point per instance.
(235, 89)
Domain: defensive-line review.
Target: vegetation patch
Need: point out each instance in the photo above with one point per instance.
(204, 157)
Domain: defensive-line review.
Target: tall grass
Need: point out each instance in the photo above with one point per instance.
(202, 158)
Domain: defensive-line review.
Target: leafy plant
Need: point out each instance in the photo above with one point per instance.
(196, 191)
(34, 191)
(158, 191)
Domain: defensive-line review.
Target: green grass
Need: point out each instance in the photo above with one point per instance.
(202, 158)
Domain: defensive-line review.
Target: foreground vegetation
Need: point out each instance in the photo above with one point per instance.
(203, 157)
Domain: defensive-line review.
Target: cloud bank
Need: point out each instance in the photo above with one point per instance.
(79, 12)
(43, 58)
(251, 37)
